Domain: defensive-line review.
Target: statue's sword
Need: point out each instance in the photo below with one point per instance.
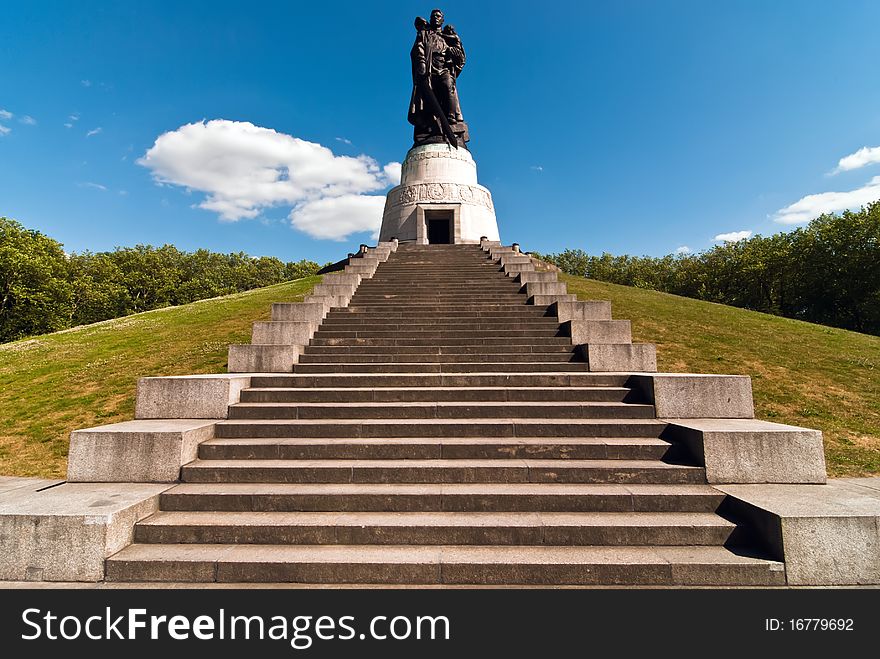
(428, 94)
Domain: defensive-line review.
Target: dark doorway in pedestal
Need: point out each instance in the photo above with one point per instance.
(439, 225)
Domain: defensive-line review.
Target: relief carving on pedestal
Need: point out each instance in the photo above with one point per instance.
(440, 192)
(455, 154)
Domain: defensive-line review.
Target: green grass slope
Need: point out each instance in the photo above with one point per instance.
(802, 374)
(86, 376)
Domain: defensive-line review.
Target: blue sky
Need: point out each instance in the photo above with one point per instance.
(629, 127)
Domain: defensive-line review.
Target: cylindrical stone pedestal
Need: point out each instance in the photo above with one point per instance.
(438, 185)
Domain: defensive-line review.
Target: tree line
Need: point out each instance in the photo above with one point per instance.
(44, 289)
(827, 272)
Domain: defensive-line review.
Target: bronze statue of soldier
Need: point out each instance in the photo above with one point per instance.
(437, 59)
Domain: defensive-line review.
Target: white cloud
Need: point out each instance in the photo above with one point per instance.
(861, 158)
(4, 130)
(68, 125)
(244, 169)
(6, 114)
(74, 117)
(811, 206)
(28, 120)
(684, 249)
(537, 168)
(338, 217)
(343, 140)
(733, 236)
(392, 172)
(85, 83)
(94, 131)
(94, 186)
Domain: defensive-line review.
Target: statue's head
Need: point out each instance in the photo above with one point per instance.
(436, 18)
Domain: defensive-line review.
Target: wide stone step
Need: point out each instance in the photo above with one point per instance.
(444, 341)
(442, 564)
(464, 294)
(405, 307)
(429, 282)
(441, 471)
(446, 357)
(439, 265)
(422, 276)
(361, 299)
(510, 379)
(458, 330)
(457, 497)
(425, 274)
(421, 351)
(525, 314)
(497, 283)
(421, 281)
(355, 314)
(427, 448)
(426, 324)
(435, 528)
(442, 410)
(446, 367)
(464, 290)
(398, 313)
(367, 333)
(483, 279)
(440, 428)
(412, 394)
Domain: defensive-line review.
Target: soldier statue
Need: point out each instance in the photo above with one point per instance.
(437, 59)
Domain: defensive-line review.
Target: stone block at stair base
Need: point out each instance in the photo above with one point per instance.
(828, 535)
(751, 451)
(528, 277)
(547, 300)
(249, 358)
(582, 310)
(370, 261)
(284, 332)
(188, 396)
(381, 254)
(65, 533)
(143, 451)
(332, 290)
(694, 396)
(329, 301)
(299, 311)
(514, 269)
(543, 266)
(545, 288)
(597, 331)
(341, 279)
(619, 357)
(364, 271)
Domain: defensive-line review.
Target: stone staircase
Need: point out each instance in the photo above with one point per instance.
(439, 429)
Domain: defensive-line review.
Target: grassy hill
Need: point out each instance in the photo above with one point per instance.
(86, 376)
(802, 374)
